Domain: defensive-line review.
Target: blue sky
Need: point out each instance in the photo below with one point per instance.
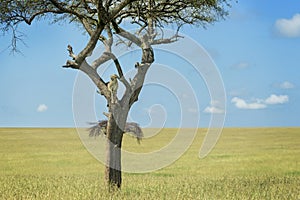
(256, 50)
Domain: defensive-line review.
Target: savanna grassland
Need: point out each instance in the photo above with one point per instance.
(246, 163)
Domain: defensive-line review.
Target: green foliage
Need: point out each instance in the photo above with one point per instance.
(179, 12)
(145, 14)
(245, 164)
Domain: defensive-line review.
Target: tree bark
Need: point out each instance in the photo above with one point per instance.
(115, 127)
(118, 113)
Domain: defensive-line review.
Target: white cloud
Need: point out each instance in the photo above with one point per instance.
(211, 109)
(289, 27)
(274, 99)
(242, 104)
(214, 108)
(260, 103)
(286, 85)
(42, 108)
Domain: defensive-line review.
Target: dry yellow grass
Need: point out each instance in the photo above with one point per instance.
(254, 163)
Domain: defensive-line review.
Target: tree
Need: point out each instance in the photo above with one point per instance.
(101, 20)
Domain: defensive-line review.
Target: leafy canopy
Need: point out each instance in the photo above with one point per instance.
(146, 14)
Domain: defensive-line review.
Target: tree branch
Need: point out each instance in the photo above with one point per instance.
(98, 81)
(119, 7)
(88, 8)
(129, 36)
(99, 61)
(66, 10)
(29, 21)
(87, 25)
(88, 70)
(172, 39)
(136, 85)
(108, 44)
(119, 69)
(90, 45)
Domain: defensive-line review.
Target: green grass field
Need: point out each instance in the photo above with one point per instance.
(252, 163)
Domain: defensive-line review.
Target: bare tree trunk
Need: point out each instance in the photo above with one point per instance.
(117, 119)
(115, 127)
